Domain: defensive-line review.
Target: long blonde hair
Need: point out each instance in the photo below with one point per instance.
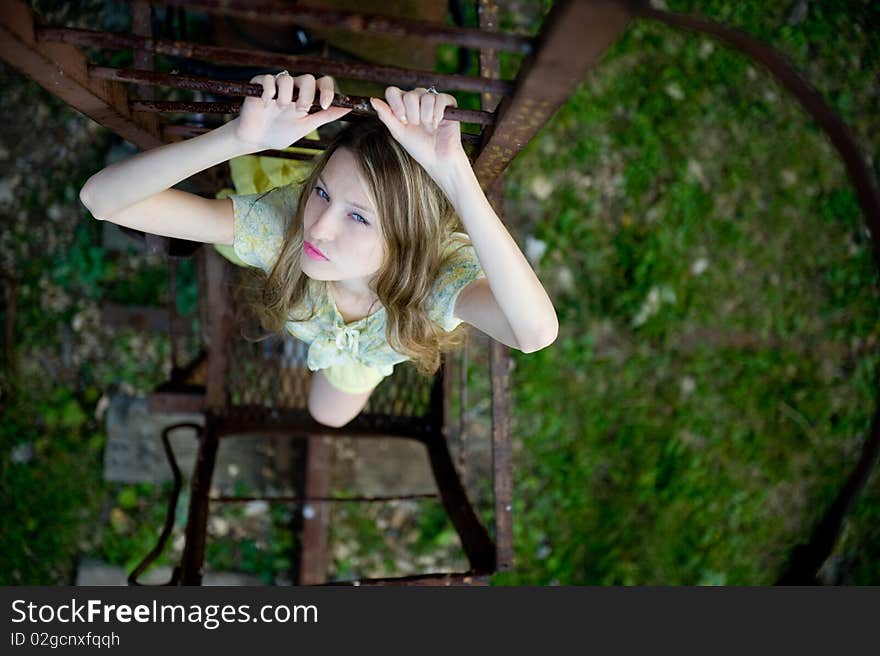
(416, 224)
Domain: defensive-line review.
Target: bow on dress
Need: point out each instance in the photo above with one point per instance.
(348, 339)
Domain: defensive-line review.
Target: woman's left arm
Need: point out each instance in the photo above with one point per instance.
(516, 288)
(435, 143)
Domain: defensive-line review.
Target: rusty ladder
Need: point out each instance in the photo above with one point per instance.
(573, 37)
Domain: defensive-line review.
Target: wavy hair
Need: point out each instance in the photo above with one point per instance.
(416, 224)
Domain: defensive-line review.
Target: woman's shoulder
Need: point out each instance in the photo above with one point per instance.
(461, 266)
(260, 222)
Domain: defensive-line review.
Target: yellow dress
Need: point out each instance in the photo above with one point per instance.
(252, 174)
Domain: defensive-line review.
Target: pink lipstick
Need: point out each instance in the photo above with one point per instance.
(313, 252)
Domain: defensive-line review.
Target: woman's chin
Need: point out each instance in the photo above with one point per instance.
(312, 275)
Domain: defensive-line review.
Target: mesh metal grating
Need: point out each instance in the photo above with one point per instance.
(273, 374)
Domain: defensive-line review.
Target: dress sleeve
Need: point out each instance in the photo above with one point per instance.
(259, 223)
(462, 269)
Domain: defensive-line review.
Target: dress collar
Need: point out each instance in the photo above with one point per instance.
(338, 318)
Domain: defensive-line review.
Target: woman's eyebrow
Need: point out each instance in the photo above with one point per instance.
(360, 207)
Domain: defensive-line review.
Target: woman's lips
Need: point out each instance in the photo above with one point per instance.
(313, 252)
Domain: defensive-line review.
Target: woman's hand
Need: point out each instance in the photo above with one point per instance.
(415, 119)
(269, 122)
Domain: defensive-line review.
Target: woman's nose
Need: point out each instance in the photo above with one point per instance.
(322, 229)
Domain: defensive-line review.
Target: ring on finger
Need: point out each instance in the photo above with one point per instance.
(277, 75)
(431, 89)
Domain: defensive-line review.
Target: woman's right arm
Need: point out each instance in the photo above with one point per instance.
(136, 192)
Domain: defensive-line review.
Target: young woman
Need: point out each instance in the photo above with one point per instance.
(375, 258)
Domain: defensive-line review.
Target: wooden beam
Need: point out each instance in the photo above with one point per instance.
(62, 70)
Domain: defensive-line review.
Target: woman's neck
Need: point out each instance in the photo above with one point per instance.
(351, 293)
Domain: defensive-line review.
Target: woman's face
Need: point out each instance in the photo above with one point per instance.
(340, 221)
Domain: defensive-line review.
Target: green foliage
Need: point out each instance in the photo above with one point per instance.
(52, 458)
(649, 458)
(84, 265)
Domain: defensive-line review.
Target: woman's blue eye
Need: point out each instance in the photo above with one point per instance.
(323, 194)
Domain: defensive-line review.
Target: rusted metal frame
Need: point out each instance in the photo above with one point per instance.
(360, 105)
(502, 468)
(283, 13)
(172, 312)
(195, 130)
(315, 518)
(292, 469)
(806, 559)
(189, 106)
(449, 372)
(239, 57)
(193, 558)
(502, 463)
(433, 579)
(142, 25)
(200, 107)
(202, 286)
(218, 276)
(298, 422)
(488, 16)
(175, 80)
(228, 87)
(326, 499)
(463, 401)
(475, 540)
(575, 35)
(62, 70)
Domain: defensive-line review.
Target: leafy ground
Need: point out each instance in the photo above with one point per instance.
(715, 372)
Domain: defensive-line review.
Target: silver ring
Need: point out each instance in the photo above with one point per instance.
(431, 89)
(277, 75)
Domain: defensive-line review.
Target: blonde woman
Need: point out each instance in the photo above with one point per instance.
(377, 257)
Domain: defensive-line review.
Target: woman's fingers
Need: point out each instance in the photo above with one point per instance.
(442, 101)
(327, 87)
(306, 86)
(394, 96)
(268, 82)
(426, 112)
(285, 90)
(418, 107)
(411, 103)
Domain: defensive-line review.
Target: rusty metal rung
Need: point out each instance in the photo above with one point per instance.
(279, 13)
(237, 57)
(298, 499)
